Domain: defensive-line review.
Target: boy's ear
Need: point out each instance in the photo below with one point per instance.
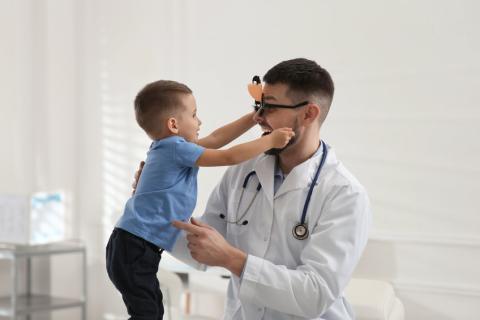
(172, 125)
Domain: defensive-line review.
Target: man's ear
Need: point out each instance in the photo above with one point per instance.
(172, 125)
(311, 114)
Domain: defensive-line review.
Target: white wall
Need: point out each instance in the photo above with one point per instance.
(39, 121)
(404, 118)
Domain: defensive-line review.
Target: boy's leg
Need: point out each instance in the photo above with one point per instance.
(158, 292)
(132, 265)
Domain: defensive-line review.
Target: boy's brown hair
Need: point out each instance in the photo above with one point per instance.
(160, 98)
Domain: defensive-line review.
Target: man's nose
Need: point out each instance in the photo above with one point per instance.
(258, 116)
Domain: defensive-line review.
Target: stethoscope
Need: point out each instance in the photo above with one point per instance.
(300, 230)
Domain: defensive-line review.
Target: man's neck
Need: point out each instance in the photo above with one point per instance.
(298, 153)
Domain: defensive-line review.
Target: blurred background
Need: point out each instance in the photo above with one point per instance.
(405, 120)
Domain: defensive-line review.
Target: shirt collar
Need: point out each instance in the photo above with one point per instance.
(278, 173)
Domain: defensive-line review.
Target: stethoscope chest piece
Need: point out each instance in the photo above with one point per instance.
(300, 231)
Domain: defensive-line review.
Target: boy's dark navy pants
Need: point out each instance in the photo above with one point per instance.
(132, 265)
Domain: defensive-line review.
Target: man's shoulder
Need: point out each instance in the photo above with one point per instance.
(341, 187)
(339, 175)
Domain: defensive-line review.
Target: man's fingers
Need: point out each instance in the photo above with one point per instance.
(192, 238)
(139, 171)
(199, 223)
(188, 227)
(136, 176)
(194, 254)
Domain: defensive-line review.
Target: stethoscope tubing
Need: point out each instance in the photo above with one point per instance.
(259, 186)
(314, 182)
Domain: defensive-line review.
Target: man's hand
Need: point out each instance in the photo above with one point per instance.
(136, 177)
(207, 246)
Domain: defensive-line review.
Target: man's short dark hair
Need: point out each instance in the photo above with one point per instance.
(306, 80)
(159, 98)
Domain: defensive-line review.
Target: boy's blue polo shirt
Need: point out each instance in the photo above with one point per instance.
(166, 191)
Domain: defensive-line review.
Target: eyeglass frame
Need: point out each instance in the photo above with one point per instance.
(260, 106)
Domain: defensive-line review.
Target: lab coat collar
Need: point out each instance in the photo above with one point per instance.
(302, 175)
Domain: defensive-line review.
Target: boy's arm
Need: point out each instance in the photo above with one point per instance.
(242, 152)
(224, 135)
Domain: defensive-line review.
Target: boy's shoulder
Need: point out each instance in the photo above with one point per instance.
(175, 150)
(171, 141)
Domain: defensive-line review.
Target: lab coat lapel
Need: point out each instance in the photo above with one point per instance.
(264, 168)
(300, 177)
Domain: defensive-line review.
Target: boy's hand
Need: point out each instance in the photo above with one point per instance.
(280, 137)
(136, 177)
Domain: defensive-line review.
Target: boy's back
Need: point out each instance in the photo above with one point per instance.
(167, 191)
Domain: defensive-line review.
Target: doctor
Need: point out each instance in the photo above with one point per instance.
(290, 225)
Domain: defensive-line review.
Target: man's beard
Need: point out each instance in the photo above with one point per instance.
(277, 151)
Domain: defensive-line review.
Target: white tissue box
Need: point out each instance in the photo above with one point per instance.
(35, 219)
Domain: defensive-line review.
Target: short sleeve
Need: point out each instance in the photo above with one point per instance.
(187, 153)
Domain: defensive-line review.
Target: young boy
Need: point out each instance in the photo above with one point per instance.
(167, 189)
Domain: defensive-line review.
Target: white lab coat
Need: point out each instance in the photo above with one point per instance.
(286, 278)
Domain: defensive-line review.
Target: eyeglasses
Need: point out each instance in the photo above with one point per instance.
(260, 106)
(256, 91)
